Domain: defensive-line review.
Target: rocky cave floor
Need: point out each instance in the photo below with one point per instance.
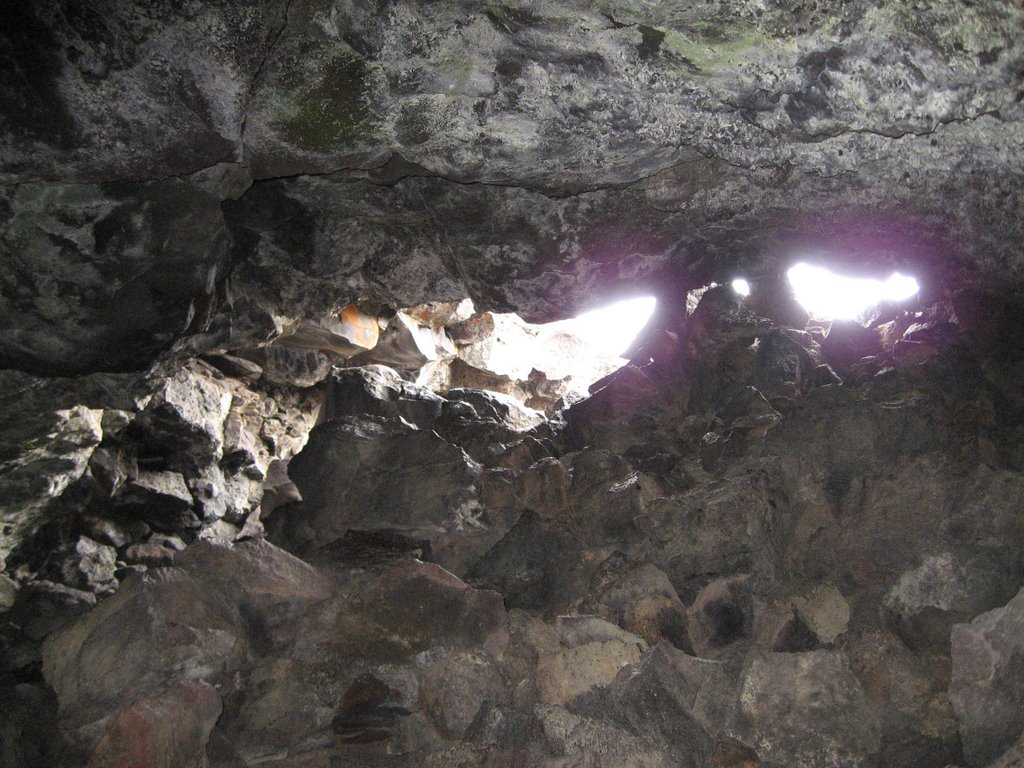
(753, 545)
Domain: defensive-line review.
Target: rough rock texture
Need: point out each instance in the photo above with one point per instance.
(987, 686)
(254, 510)
(478, 591)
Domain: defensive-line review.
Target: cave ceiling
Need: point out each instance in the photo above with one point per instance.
(201, 174)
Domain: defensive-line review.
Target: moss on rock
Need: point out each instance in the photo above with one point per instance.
(329, 108)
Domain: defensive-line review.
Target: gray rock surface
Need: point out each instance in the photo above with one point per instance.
(987, 684)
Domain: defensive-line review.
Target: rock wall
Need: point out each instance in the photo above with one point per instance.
(750, 547)
(762, 543)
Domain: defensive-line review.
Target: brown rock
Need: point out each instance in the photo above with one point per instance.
(167, 730)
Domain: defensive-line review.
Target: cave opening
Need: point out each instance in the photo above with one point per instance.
(544, 366)
(829, 295)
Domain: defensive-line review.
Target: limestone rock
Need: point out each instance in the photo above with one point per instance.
(987, 684)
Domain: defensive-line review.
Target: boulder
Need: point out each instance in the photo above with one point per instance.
(590, 653)
(195, 623)
(657, 699)
(376, 390)
(825, 613)
(348, 477)
(535, 567)
(166, 730)
(847, 342)
(987, 685)
(89, 565)
(809, 709)
(184, 419)
(404, 345)
(161, 499)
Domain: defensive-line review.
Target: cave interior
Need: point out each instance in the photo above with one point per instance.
(304, 464)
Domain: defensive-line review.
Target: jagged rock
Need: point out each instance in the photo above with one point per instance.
(534, 567)
(377, 390)
(193, 623)
(642, 600)
(988, 681)
(234, 366)
(112, 466)
(404, 345)
(8, 593)
(421, 620)
(926, 601)
(919, 723)
(141, 261)
(716, 528)
(809, 709)
(89, 565)
(750, 414)
(345, 476)
(657, 698)
(456, 689)
(232, 487)
(185, 418)
(161, 499)
(28, 738)
(606, 498)
(1012, 758)
(296, 367)
(47, 450)
(720, 615)
(220, 178)
(772, 296)
(442, 314)
(503, 409)
(150, 554)
(44, 606)
(847, 342)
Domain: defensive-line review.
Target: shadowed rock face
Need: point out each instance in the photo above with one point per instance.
(224, 544)
(536, 158)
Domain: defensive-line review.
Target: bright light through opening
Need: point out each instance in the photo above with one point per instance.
(741, 286)
(830, 296)
(610, 330)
